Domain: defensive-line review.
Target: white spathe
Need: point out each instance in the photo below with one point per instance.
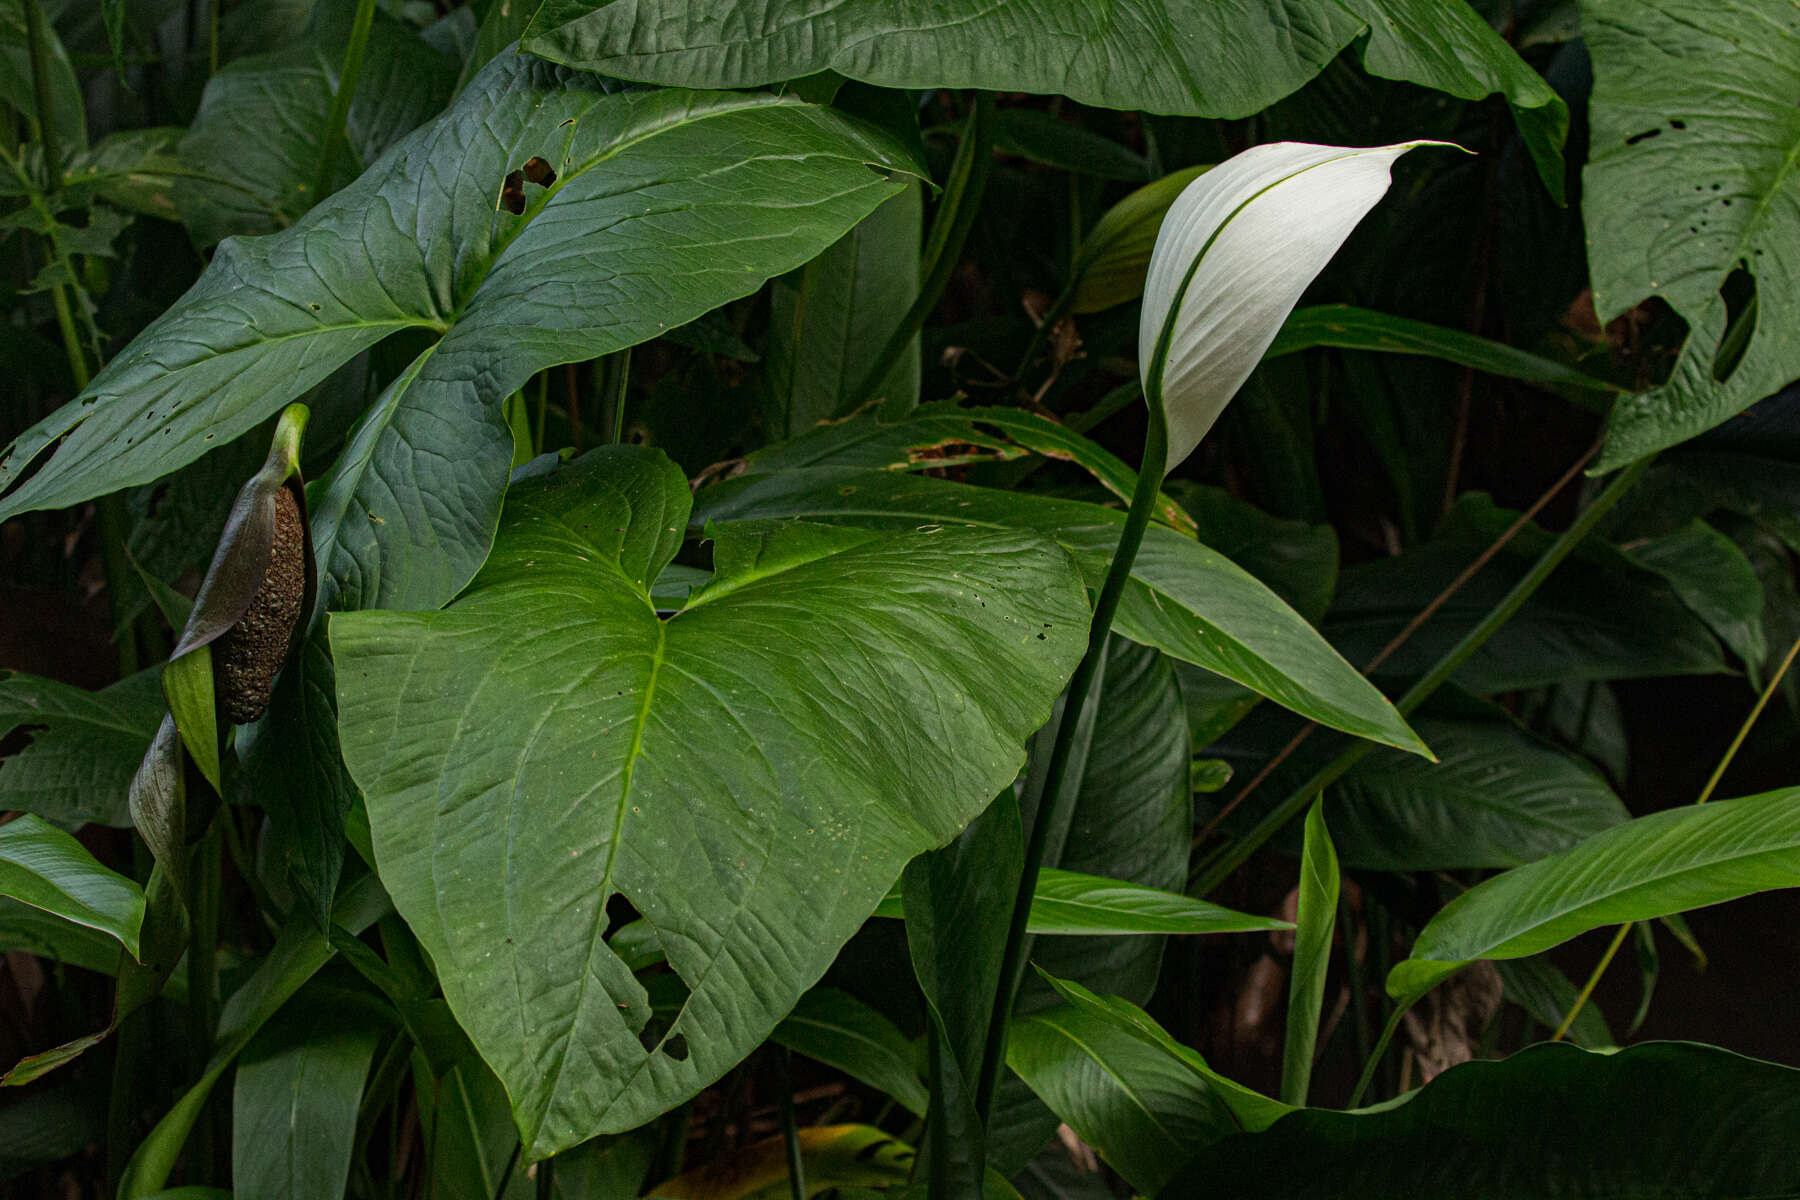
(1266, 222)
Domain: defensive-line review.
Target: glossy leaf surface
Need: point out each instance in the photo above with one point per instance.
(299, 1084)
(1663, 1119)
(1141, 1108)
(1496, 797)
(85, 746)
(633, 751)
(1694, 172)
(1664, 863)
(1184, 599)
(1170, 56)
(665, 204)
(48, 869)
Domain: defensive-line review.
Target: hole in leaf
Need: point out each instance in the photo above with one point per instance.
(1739, 294)
(1673, 124)
(620, 912)
(1645, 136)
(651, 1035)
(512, 193)
(676, 1047)
(538, 171)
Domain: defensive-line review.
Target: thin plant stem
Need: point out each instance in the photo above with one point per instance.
(1055, 797)
(949, 230)
(1381, 1044)
(1593, 981)
(618, 375)
(1413, 626)
(37, 32)
(790, 1127)
(1232, 856)
(506, 1175)
(212, 44)
(1046, 325)
(543, 408)
(1743, 732)
(1712, 783)
(546, 1179)
(340, 103)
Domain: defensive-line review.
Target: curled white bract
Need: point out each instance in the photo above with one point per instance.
(1262, 225)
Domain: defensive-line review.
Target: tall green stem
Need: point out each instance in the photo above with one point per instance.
(37, 32)
(1056, 798)
(1234, 855)
(949, 230)
(790, 1126)
(340, 103)
(1712, 783)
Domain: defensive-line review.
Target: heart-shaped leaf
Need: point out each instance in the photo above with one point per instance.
(751, 774)
(664, 204)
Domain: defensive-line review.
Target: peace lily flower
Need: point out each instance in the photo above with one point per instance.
(1238, 247)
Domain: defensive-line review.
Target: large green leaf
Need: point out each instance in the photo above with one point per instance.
(258, 139)
(827, 321)
(1716, 580)
(1132, 819)
(838, 1029)
(1664, 863)
(1694, 173)
(294, 1104)
(1348, 327)
(950, 434)
(1143, 1109)
(1496, 797)
(78, 768)
(1070, 904)
(1183, 598)
(1203, 57)
(299, 951)
(833, 702)
(1600, 616)
(665, 204)
(1663, 1119)
(48, 869)
(956, 935)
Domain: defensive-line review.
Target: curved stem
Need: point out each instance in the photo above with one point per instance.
(1045, 327)
(1593, 981)
(1374, 1059)
(1056, 797)
(1712, 782)
(340, 103)
(955, 217)
(1233, 856)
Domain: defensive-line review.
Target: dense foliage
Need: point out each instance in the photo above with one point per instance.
(578, 622)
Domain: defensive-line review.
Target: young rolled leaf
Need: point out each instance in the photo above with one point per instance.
(1315, 923)
(1234, 254)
